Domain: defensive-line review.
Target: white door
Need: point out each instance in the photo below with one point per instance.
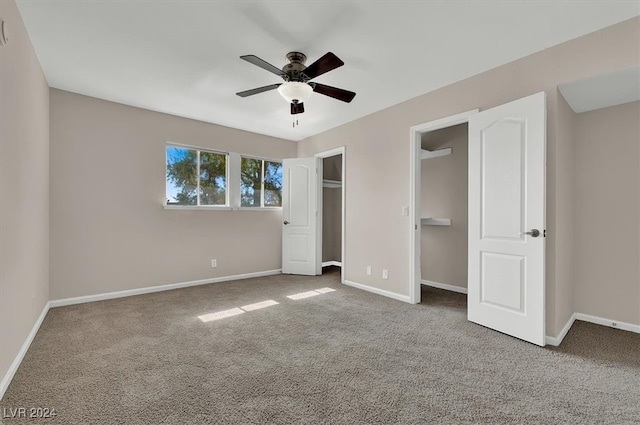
(507, 163)
(300, 216)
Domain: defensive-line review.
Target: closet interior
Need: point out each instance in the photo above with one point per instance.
(444, 208)
(332, 211)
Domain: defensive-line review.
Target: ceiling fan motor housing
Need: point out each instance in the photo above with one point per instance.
(293, 70)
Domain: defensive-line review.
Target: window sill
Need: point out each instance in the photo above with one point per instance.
(259, 209)
(198, 207)
(218, 208)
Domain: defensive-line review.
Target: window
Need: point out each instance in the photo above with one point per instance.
(196, 177)
(202, 178)
(272, 184)
(261, 183)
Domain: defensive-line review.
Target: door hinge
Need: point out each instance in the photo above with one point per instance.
(544, 233)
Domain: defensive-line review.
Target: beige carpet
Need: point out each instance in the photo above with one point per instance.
(342, 357)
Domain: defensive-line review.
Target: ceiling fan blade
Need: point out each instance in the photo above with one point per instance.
(262, 64)
(336, 93)
(257, 90)
(297, 108)
(325, 64)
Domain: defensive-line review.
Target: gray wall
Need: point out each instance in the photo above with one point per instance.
(607, 213)
(24, 188)
(563, 297)
(444, 194)
(332, 168)
(109, 231)
(378, 145)
(331, 224)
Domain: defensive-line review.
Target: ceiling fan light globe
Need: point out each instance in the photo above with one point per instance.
(295, 92)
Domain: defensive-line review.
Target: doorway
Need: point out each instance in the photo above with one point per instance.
(418, 156)
(332, 211)
(506, 215)
(444, 208)
(303, 189)
(331, 208)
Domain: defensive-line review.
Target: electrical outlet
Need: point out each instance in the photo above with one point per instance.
(405, 211)
(385, 274)
(368, 270)
(214, 263)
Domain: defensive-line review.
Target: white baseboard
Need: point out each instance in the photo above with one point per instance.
(150, 289)
(557, 340)
(6, 379)
(331, 263)
(608, 322)
(379, 291)
(444, 286)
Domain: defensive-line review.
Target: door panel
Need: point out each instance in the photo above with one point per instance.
(502, 281)
(298, 205)
(299, 209)
(507, 199)
(502, 179)
(298, 248)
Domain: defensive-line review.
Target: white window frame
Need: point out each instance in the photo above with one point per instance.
(198, 149)
(262, 191)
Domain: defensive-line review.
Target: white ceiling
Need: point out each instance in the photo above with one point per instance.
(182, 57)
(600, 91)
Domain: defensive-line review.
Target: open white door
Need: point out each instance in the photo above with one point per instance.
(507, 167)
(300, 216)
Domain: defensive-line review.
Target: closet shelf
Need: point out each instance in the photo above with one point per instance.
(332, 184)
(430, 221)
(425, 154)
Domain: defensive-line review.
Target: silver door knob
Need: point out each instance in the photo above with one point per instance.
(286, 222)
(534, 233)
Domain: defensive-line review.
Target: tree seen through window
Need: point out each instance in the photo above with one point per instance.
(196, 177)
(261, 183)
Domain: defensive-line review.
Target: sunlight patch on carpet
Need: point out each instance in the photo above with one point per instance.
(308, 294)
(220, 315)
(325, 290)
(302, 295)
(257, 306)
(260, 305)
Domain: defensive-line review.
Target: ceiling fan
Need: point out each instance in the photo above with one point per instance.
(297, 86)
